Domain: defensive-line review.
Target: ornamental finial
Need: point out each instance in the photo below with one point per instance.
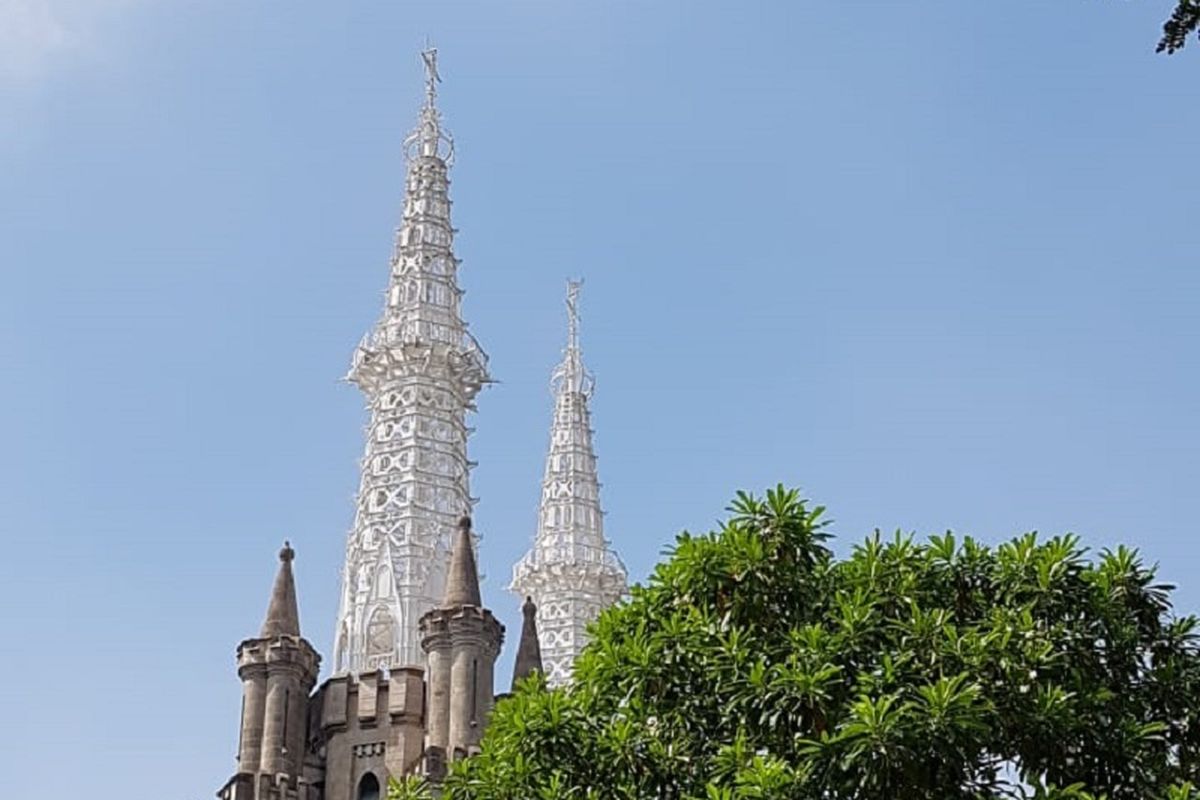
(573, 287)
(571, 376)
(432, 78)
(429, 139)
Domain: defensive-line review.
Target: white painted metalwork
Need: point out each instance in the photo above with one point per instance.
(420, 370)
(572, 572)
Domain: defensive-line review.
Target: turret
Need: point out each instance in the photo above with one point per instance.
(278, 670)
(461, 640)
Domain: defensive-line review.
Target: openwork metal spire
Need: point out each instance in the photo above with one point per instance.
(571, 573)
(420, 370)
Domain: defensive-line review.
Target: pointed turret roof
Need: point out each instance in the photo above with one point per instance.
(529, 652)
(283, 616)
(462, 582)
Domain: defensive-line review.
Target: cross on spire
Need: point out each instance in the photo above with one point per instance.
(432, 78)
(430, 139)
(573, 288)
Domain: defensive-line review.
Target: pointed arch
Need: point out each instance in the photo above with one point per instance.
(381, 633)
(368, 787)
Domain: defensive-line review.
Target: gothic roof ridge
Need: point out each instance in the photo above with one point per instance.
(283, 614)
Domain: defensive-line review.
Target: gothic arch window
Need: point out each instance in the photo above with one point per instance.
(381, 633)
(368, 787)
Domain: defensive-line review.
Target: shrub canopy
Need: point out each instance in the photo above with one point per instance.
(755, 664)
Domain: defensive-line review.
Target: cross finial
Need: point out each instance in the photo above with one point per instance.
(432, 78)
(573, 287)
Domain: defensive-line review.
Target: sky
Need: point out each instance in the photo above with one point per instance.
(931, 261)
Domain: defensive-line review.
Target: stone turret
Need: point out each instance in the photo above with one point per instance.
(461, 640)
(529, 651)
(278, 670)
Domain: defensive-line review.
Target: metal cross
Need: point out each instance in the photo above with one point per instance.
(432, 78)
(573, 288)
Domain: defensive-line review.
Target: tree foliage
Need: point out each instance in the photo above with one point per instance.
(755, 664)
(1184, 21)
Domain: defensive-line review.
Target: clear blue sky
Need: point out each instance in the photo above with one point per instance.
(934, 262)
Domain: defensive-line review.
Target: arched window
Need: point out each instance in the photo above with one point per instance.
(368, 787)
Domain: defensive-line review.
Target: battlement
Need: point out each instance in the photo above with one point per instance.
(464, 623)
(348, 702)
(364, 727)
(249, 786)
(279, 652)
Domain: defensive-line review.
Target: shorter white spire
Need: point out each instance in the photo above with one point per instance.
(571, 572)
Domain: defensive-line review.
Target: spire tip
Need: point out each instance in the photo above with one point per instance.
(462, 581)
(429, 139)
(283, 614)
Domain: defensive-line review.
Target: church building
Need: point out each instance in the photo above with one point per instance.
(413, 664)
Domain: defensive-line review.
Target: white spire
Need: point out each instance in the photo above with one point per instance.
(571, 573)
(420, 370)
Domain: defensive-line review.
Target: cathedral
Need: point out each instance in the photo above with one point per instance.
(413, 664)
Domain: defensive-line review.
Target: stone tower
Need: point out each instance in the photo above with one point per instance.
(420, 370)
(461, 639)
(571, 573)
(278, 670)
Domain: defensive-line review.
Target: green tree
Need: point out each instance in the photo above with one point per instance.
(1184, 21)
(755, 664)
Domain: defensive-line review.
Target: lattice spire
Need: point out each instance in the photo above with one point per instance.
(420, 370)
(571, 573)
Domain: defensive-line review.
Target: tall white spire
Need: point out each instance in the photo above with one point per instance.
(571, 573)
(420, 370)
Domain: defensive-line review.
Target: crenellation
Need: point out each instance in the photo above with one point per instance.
(366, 710)
(356, 738)
(335, 705)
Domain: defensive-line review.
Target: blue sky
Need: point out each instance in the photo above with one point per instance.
(932, 261)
